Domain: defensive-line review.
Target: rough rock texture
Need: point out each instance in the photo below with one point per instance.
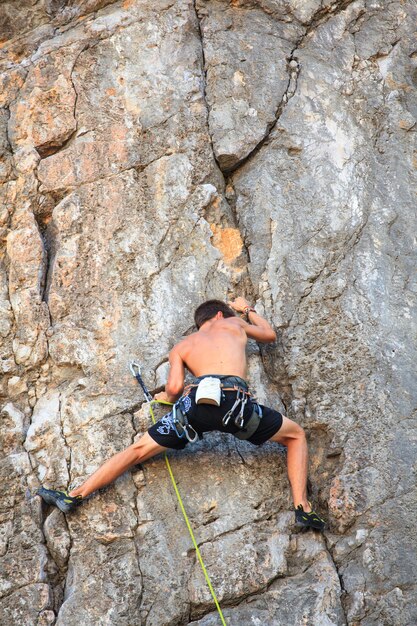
(153, 154)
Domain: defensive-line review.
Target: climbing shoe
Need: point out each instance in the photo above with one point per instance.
(61, 499)
(309, 520)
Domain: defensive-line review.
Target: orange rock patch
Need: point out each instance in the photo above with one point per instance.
(228, 241)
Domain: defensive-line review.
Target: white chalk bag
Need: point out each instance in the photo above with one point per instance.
(209, 391)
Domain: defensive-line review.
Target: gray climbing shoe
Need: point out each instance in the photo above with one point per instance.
(61, 499)
(309, 520)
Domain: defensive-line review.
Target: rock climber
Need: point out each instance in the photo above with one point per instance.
(218, 399)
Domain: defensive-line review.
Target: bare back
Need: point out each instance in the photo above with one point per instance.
(218, 350)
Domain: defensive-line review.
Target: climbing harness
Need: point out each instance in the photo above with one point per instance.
(246, 426)
(136, 371)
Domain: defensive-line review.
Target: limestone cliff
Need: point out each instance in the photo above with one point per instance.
(155, 154)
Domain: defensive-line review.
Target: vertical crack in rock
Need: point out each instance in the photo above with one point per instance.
(57, 564)
(136, 509)
(239, 452)
(323, 14)
(341, 581)
(293, 69)
(50, 148)
(227, 182)
(68, 447)
(64, 578)
(41, 219)
(132, 419)
(54, 579)
(320, 17)
(49, 243)
(31, 463)
(231, 201)
(45, 259)
(9, 145)
(204, 78)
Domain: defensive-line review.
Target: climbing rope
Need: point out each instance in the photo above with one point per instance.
(135, 369)
(187, 521)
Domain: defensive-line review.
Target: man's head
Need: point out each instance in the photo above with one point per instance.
(209, 309)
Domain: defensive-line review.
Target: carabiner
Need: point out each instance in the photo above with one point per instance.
(240, 420)
(176, 424)
(191, 439)
(132, 367)
(239, 398)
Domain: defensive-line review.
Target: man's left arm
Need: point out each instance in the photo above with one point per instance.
(257, 328)
(175, 383)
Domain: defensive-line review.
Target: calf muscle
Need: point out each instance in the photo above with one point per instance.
(293, 437)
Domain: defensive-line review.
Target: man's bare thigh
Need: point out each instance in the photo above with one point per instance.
(288, 430)
(146, 447)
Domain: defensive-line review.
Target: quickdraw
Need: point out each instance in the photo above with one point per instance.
(181, 424)
(240, 399)
(135, 369)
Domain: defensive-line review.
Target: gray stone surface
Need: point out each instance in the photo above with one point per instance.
(247, 77)
(153, 155)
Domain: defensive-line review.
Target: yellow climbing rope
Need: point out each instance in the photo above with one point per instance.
(187, 521)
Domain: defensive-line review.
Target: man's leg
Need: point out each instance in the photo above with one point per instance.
(293, 437)
(142, 450)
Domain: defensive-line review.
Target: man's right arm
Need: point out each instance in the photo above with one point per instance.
(175, 382)
(258, 329)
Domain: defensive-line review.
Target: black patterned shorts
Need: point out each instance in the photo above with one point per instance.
(205, 418)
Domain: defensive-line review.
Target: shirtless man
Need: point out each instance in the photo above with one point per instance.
(216, 350)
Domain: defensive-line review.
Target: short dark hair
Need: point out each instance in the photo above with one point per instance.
(209, 309)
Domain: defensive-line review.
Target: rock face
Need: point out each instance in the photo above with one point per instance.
(153, 155)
